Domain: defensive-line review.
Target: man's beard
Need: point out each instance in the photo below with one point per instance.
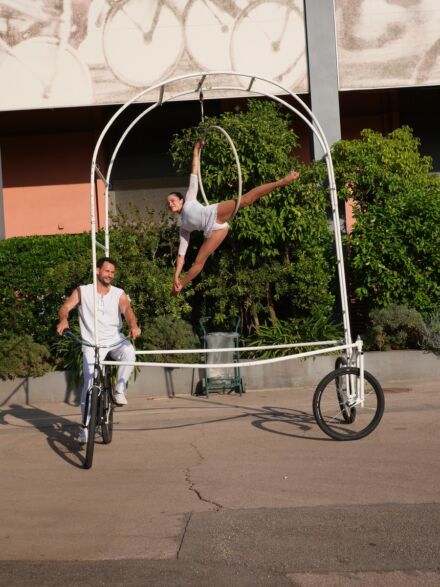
(102, 282)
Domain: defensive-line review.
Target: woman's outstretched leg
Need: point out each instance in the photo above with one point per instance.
(225, 210)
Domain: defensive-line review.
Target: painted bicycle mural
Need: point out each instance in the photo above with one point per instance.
(83, 52)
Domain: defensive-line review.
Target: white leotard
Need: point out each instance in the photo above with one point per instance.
(195, 216)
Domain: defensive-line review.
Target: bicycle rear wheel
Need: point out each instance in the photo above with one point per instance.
(90, 446)
(107, 408)
(339, 413)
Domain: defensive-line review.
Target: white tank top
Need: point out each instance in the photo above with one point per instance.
(109, 315)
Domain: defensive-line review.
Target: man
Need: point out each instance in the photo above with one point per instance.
(112, 304)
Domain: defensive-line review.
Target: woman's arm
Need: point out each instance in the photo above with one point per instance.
(180, 261)
(177, 286)
(196, 157)
(193, 187)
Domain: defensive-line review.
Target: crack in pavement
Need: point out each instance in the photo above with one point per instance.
(192, 487)
(183, 535)
(191, 484)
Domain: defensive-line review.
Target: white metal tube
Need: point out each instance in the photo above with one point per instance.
(362, 380)
(316, 129)
(225, 365)
(237, 349)
(237, 163)
(93, 235)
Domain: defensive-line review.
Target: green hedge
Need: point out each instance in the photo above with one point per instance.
(36, 274)
(20, 356)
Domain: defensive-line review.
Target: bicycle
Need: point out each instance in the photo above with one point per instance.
(346, 406)
(99, 403)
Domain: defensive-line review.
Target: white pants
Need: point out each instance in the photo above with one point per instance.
(123, 352)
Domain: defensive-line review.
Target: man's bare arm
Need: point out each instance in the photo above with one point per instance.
(72, 301)
(127, 310)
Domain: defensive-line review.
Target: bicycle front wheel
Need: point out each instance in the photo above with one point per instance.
(107, 408)
(338, 410)
(90, 446)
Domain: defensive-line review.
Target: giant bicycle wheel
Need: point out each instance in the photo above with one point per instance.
(143, 41)
(218, 22)
(337, 396)
(107, 407)
(271, 33)
(38, 73)
(90, 446)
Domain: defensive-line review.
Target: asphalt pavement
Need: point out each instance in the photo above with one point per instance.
(225, 490)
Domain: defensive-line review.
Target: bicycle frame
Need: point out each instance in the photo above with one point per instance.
(98, 401)
(98, 379)
(355, 384)
(98, 373)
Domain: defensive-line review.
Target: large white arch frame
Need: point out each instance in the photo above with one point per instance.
(232, 78)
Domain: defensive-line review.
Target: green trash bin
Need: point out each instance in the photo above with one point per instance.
(221, 379)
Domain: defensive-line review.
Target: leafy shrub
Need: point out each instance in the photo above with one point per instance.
(68, 356)
(20, 356)
(395, 327)
(37, 273)
(431, 334)
(296, 330)
(393, 250)
(168, 333)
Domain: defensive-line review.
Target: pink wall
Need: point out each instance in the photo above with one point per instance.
(46, 183)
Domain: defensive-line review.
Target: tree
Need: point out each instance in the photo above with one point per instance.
(393, 252)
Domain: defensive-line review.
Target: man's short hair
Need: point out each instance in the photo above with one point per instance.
(100, 262)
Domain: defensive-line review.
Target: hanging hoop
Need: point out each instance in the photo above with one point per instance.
(206, 131)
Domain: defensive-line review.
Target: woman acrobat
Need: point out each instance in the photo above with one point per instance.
(211, 219)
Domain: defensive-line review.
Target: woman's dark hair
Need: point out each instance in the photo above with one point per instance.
(178, 194)
(100, 262)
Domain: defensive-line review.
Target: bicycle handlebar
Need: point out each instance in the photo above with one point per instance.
(79, 340)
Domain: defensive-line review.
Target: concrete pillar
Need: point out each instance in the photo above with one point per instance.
(323, 69)
(2, 208)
